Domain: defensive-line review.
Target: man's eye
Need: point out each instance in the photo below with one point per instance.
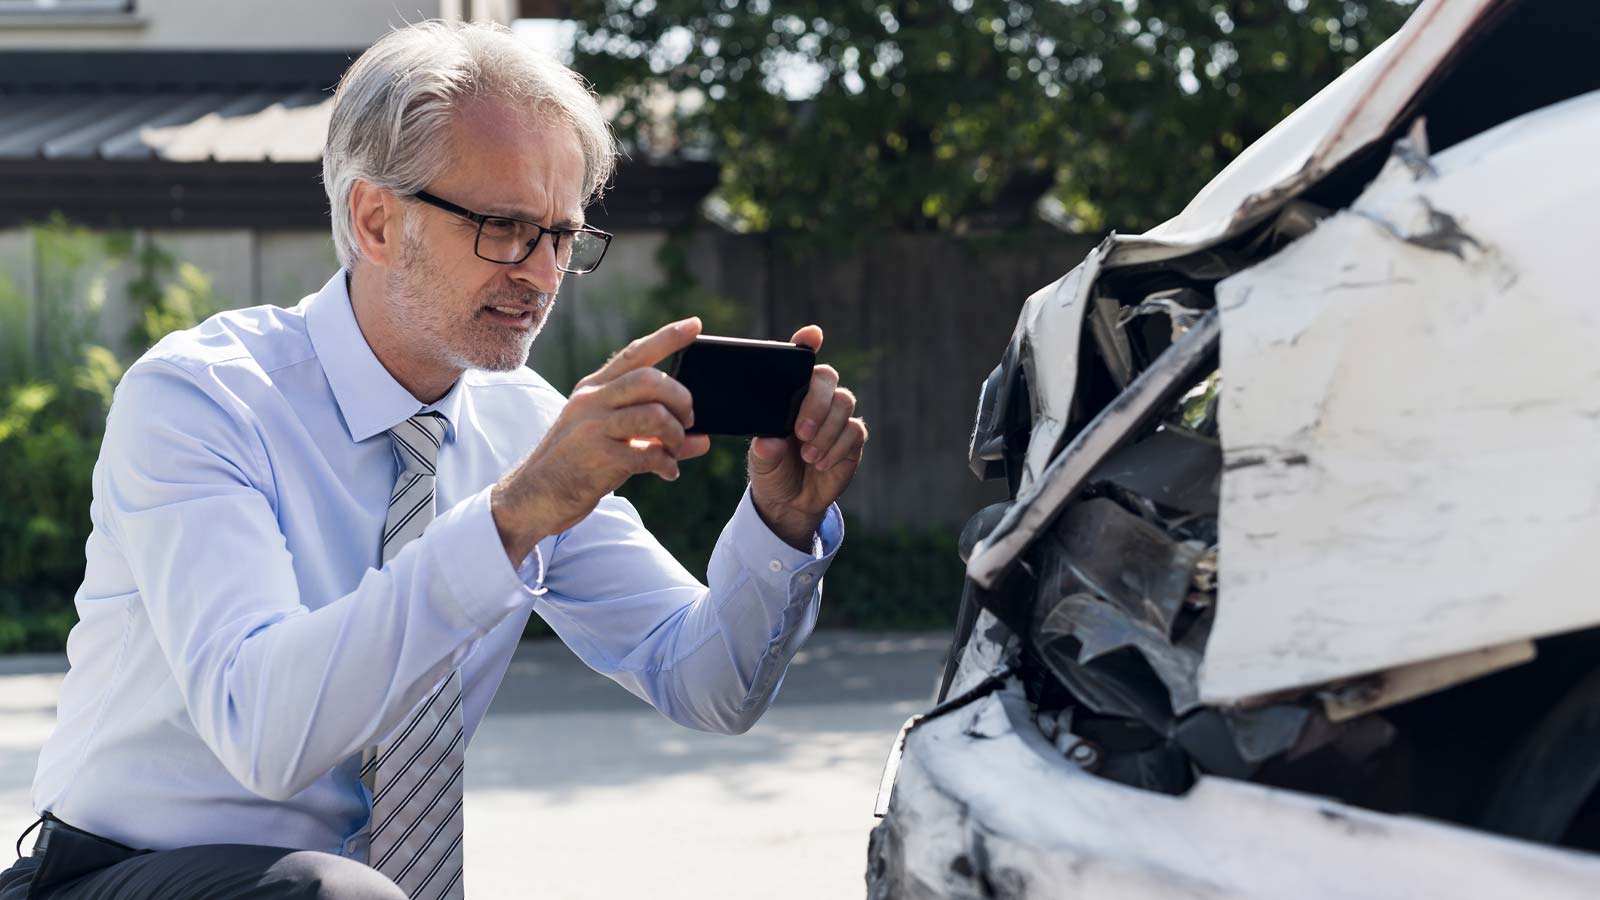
(499, 226)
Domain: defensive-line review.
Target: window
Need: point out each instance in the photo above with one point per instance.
(67, 7)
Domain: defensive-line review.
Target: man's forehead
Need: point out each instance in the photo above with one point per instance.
(517, 161)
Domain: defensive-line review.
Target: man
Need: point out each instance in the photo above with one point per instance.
(319, 532)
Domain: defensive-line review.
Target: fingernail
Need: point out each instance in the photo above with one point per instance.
(824, 466)
(810, 454)
(687, 325)
(806, 429)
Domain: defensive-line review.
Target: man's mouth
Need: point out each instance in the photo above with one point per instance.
(514, 316)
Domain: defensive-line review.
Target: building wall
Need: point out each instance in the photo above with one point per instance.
(224, 24)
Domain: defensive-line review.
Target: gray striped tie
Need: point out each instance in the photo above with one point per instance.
(416, 775)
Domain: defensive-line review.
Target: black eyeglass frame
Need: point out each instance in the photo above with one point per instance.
(480, 218)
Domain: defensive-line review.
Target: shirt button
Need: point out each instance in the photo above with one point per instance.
(775, 566)
(805, 577)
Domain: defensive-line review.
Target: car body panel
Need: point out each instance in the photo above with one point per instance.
(1383, 504)
(1047, 341)
(958, 831)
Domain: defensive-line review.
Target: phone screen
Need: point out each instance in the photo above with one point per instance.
(744, 387)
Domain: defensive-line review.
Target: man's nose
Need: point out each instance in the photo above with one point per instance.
(539, 270)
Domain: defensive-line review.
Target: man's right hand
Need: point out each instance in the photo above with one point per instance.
(626, 418)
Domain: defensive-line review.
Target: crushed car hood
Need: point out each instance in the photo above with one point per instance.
(1264, 641)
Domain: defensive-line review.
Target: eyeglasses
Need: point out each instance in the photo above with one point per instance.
(508, 241)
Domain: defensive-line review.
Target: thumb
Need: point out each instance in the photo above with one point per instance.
(766, 454)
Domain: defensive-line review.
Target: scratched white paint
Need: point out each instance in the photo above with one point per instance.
(1411, 437)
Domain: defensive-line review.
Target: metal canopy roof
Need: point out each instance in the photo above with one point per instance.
(214, 140)
(175, 106)
(177, 126)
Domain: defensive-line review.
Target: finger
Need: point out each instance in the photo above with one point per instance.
(819, 397)
(767, 454)
(649, 457)
(810, 336)
(850, 446)
(643, 386)
(694, 445)
(844, 404)
(649, 350)
(646, 422)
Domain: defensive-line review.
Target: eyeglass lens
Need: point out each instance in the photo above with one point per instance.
(508, 241)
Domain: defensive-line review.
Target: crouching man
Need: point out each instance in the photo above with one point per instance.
(320, 531)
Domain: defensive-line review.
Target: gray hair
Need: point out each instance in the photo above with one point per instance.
(393, 106)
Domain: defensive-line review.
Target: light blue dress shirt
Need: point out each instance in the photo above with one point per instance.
(239, 641)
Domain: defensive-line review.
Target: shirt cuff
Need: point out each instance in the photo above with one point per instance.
(765, 555)
(465, 542)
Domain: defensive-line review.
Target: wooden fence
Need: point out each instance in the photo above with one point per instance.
(915, 322)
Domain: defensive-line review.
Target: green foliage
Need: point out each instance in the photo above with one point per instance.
(897, 579)
(837, 118)
(56, 384)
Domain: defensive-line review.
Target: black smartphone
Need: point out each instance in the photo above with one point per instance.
(744, 387)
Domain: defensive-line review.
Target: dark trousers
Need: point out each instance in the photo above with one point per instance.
(80, 867)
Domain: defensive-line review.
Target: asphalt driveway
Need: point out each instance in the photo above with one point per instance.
(577, 790)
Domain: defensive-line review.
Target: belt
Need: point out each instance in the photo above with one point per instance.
(65, 852)
(47, 828)
(51, 827)
(38, 843)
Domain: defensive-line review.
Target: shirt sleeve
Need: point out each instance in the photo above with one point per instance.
(708, 656)
(281, 693)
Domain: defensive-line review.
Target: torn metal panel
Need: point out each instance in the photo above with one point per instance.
(1111, 340)
(997, 417)
(1047, 338)
(1173, 467)
(1209, 742)
(986, 653)
(1040, 502)
(956, 828)
(1396, 686)
(1410, 422)
(1127, 561)
(980, 524)
(1108, 686)
(1182, 307)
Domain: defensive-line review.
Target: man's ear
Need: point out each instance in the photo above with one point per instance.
(375, 216)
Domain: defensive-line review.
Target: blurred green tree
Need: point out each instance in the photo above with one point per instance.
(837, 117)
(56, 385)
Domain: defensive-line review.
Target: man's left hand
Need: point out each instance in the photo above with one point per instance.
(794, 480)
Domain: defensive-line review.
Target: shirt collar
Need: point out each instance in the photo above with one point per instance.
(370, 400)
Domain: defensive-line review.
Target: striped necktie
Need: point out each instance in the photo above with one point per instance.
(416, 774)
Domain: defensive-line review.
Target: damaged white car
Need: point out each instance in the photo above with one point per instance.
(1298, 591)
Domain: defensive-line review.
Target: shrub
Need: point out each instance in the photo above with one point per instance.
(56, 383)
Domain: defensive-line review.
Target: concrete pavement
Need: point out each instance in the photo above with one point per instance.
(575, 789)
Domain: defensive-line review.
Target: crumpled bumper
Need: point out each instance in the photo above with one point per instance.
(984, 806)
